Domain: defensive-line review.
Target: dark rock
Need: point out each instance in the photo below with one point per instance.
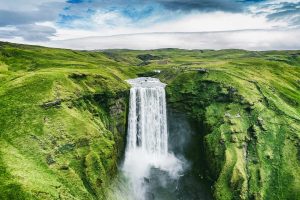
(77, 76)
(269, 156)
(222, 141)
(50, 160)
(99, 182)
(66, 148)
(255, 161)
(202, 70)
(260, 122)
(149, 196)
(147, 57)
(55, 103)
(232, 90)
(147, 180)
(82, 142)
(64, 167)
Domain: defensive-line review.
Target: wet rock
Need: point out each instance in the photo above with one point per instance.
(117, 108)
(147, 180)
(149, 196)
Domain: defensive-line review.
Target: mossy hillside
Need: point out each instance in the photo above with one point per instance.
(63, 116)
(62, 128)
(252, 132)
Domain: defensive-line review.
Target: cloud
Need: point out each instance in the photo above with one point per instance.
(286, 11)
(203, 5)
(32, 21)
(141, 11)
(187, 5)
(250, 39)
(41, 13)
(22, 21)
(29, 32)
(113, 24)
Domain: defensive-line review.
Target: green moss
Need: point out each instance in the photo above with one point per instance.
(247, 123)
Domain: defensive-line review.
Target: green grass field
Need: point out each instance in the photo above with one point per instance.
(63, 118)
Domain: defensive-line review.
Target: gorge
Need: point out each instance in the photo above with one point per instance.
(66, 117)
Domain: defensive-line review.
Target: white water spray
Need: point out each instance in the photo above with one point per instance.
(147, 141)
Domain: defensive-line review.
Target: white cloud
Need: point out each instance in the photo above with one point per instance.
(251, 40)
(217, 21)
(25, 5)
(193, 22)
(218, 29)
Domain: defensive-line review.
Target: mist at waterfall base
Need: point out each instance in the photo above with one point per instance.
(154, 166)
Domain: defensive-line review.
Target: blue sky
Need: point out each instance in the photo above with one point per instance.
(107, 23)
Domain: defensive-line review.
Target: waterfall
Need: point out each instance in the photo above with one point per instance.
(147, 140)
(147, 128)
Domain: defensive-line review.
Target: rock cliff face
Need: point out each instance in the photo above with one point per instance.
(68, 151)
(62, 126)
(249, 133)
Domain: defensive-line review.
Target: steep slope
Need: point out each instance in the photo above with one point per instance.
(63, 118)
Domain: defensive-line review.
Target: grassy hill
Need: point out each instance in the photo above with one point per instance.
(63, 118)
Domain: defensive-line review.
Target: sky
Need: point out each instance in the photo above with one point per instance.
(145, 24)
